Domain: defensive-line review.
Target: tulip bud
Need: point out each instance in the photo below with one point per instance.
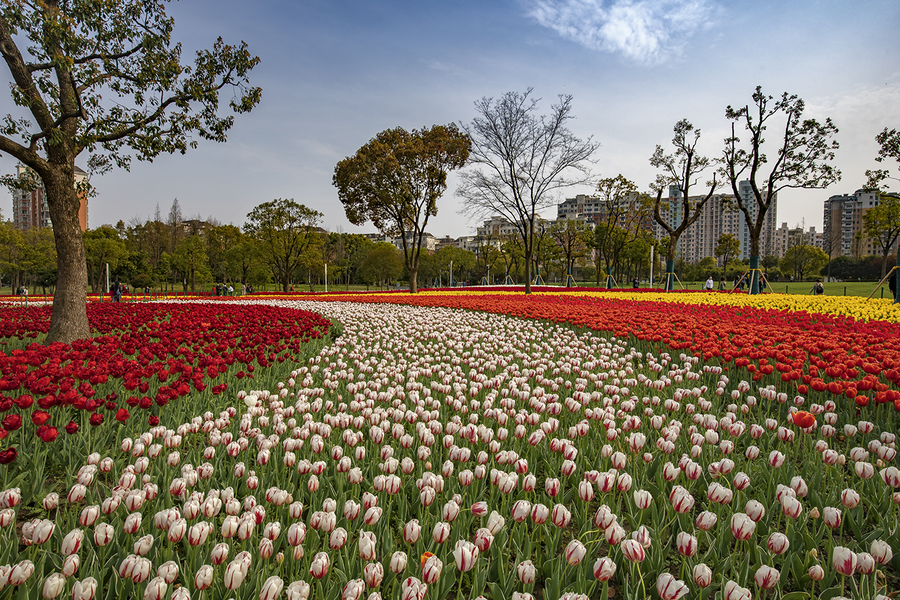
(766, 577)
(234, 575)
(670, 588)
(465, 554)
(575, 552)
(367, 545)
(156, 589)
(53, 586)
(431, 570)
(21, 572)
(70, 565)
(271, 589)
(526, 572)
(319, 566)
(412, 531)
(373, 574)
(85, 589)
(633, 550)
(203, 578)
(844, 561)
(398, 562)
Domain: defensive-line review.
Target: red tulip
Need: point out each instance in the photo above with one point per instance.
(47, 433)
(12, 422)
(7, 456)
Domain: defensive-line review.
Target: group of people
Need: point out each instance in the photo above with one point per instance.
(223, 289)
(722, 286)
(117, 289)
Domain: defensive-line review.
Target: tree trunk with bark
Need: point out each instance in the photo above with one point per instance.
(69, 320)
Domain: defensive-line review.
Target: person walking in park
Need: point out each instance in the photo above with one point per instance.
(818, 289)
(709, 284)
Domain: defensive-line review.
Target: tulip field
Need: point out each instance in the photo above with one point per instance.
(454, 445)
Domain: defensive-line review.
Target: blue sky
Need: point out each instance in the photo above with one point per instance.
(335, 73)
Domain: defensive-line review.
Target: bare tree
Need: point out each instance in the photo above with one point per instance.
(679, 171)
(519, 159)
(624, 213)
(805, 149)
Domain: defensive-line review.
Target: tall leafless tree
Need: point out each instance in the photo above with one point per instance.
(519, 159)
(804, 151)
(679, 171)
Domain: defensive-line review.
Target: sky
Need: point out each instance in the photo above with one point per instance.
(336, 73)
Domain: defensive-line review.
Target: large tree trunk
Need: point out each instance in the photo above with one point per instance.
(413, 280)
(670, 263)
(69, 318)
(754, 275)
(755, 233)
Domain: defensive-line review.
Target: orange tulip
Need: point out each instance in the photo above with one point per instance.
(804, 419)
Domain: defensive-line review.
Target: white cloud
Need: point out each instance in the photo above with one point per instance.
(645, 31)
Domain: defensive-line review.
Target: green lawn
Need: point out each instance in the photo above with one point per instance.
(832, 288)
(863, 288)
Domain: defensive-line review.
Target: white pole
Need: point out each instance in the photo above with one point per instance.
(107, 278)
(651, 266)
(451, 273)
(326, 278)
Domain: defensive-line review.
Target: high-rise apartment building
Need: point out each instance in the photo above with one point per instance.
(30, 209)
(844, 233)
(596, 210)
(788, 237)
(719, 215)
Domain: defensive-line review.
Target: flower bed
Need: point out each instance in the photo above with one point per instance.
(142, 357)
(460, 453)
(822, 352)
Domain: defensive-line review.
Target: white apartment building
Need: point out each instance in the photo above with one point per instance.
(844, 232)
(719, 215)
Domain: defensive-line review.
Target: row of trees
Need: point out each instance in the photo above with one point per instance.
(518, 159)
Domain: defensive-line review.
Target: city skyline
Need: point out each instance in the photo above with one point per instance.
(334, 76)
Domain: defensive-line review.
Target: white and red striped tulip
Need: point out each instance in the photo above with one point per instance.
(604, 568)
(398, 562)
(766, 577)
(670, 588)
(465, 554)
(633, 550)
(702, 575)
(843, 560)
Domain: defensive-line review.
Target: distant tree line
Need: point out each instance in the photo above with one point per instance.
(282, 244)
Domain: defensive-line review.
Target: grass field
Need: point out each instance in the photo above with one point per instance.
(832, 288)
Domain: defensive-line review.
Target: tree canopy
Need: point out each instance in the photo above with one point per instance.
(888, 148)
(727, 246)
(285, 229)
(395, 181)
(105, 78)
(882, 225)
